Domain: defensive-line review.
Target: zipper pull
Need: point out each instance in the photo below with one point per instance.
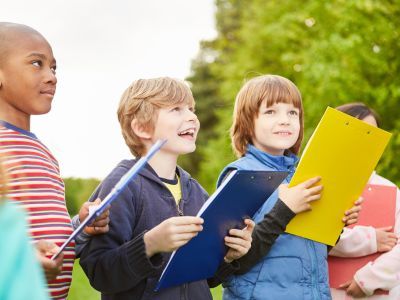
(180, 211)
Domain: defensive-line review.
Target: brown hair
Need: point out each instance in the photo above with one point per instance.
(141, 101)
(359, 110)
(268, 89)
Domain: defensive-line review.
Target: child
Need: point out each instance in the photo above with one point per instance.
(155, 214)
(384, 272)
(27, 86)
(266, 134)
(19, 267)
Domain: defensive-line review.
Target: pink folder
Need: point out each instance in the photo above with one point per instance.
(378, 210)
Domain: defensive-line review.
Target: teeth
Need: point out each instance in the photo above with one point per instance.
(188, 131)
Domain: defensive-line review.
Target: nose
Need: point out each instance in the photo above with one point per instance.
(191, 116)
(50, 77)
(283, 118)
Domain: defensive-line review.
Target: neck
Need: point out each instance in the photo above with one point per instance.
(164, 164)
(14, 116)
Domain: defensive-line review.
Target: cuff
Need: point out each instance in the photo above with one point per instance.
(83, 237)
(366, 280)
(137, 258)
(283, 212)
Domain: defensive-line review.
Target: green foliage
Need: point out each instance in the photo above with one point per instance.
(77, 191)
(335, 52)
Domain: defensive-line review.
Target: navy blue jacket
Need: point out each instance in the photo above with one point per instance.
(116, 263)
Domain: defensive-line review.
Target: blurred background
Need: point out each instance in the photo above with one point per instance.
(334, 51)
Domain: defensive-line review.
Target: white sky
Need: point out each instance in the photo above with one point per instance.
(101, 47)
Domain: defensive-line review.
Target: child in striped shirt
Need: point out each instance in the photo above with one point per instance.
(27, 86)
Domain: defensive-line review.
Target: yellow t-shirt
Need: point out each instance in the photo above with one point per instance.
(174, 187)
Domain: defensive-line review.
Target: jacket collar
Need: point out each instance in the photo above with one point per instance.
(287, 162)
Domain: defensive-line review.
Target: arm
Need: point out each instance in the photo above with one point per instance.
(239, 242)
(115, 262)
(383, 272)
(355, 242)
(264, 235)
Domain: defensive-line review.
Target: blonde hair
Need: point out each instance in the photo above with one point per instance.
(142, 100)
(268, 89)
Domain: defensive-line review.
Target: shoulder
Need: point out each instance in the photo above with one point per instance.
(190, 182)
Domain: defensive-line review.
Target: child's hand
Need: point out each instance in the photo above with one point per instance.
(100, 224)
(239, 241)
(385, 240)
(172, 234)
(351, 215)
(352, 289)
(298, 198)
(44, 251)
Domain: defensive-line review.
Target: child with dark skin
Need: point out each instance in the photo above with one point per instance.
(27, 87)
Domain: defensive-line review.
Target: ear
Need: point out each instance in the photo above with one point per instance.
(140, 130)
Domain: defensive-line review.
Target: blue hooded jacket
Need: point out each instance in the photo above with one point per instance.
(295, 268)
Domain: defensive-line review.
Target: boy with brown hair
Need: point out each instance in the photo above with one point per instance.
(27, 87)
(155, 214)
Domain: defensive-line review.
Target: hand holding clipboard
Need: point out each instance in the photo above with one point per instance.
(121, 184)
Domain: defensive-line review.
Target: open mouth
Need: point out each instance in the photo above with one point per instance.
(187, 133)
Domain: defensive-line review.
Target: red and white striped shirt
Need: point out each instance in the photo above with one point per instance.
(35, 183)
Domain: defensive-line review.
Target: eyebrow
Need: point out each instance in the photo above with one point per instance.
(42, 56)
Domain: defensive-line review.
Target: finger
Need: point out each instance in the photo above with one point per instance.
(186, 220)
(345, 285)
(183, 237)
(315, 189)
(101, 222)
(100, 230)
(314, 197)
(352, 210)
(96, 202)
(239, 241)
(310, 182)
(250, 224)
(359, 201)
(191, 228)
(237, 248)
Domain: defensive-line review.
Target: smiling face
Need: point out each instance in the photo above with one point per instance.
(276, 128)
(27, 76)
(179, 125)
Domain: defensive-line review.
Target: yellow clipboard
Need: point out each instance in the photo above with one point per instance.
(344, 152)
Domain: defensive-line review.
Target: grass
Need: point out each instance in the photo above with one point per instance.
(81, 289)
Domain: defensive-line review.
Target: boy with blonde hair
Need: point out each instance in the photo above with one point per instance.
(155, 214)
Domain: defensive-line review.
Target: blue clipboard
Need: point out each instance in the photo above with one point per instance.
(238, 197)
(121, 184)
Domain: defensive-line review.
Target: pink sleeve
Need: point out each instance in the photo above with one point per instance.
(384, 272)
(355, 242)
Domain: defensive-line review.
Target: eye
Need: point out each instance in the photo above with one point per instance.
(53, 69)
(293, 113)
(37, 63)
(192, 109)
(177, 109)
(269, 112)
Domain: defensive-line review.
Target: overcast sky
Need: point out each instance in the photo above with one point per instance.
(101, 47)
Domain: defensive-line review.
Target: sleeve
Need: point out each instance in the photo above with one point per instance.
(264, 235)
(116, 262)
(224, 271)
(356, 242)
(384, 272)
(82, 239)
